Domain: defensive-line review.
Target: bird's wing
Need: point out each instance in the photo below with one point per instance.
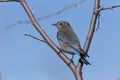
(67, 37)
(71, 39)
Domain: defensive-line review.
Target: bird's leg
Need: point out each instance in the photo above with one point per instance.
(72, 58)
(81, 61)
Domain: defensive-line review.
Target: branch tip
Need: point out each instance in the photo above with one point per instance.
(35, 38)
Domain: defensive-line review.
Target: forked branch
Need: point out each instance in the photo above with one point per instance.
(76, 69)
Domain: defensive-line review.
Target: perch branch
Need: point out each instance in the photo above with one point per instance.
(76, 69)
(45, 36)
(42, 33)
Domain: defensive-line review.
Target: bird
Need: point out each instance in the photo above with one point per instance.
(69, 42)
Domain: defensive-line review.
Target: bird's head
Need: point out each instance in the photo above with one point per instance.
(62, 24)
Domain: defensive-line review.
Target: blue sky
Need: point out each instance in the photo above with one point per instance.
(23, 58)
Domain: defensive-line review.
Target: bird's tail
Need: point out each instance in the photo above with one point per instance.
(83, 53)
(83, 60)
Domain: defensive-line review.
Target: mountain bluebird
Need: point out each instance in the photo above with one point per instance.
(69, 42)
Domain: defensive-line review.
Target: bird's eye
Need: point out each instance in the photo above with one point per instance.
(60, 23)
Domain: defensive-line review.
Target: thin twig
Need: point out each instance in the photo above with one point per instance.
(46, 16)
(101, 9)
(61, 10)
(35, 38)
(110, 7)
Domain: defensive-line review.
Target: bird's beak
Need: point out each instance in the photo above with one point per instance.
(54, 24)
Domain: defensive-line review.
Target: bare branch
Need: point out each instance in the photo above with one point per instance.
(90, 32)
(35, 38)
(89, 36)
(47, 16)
(17, 22)
(110, 7)
(46, 38)
(92, 26)
(118, 79)
(101, 9)
(76, 69)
